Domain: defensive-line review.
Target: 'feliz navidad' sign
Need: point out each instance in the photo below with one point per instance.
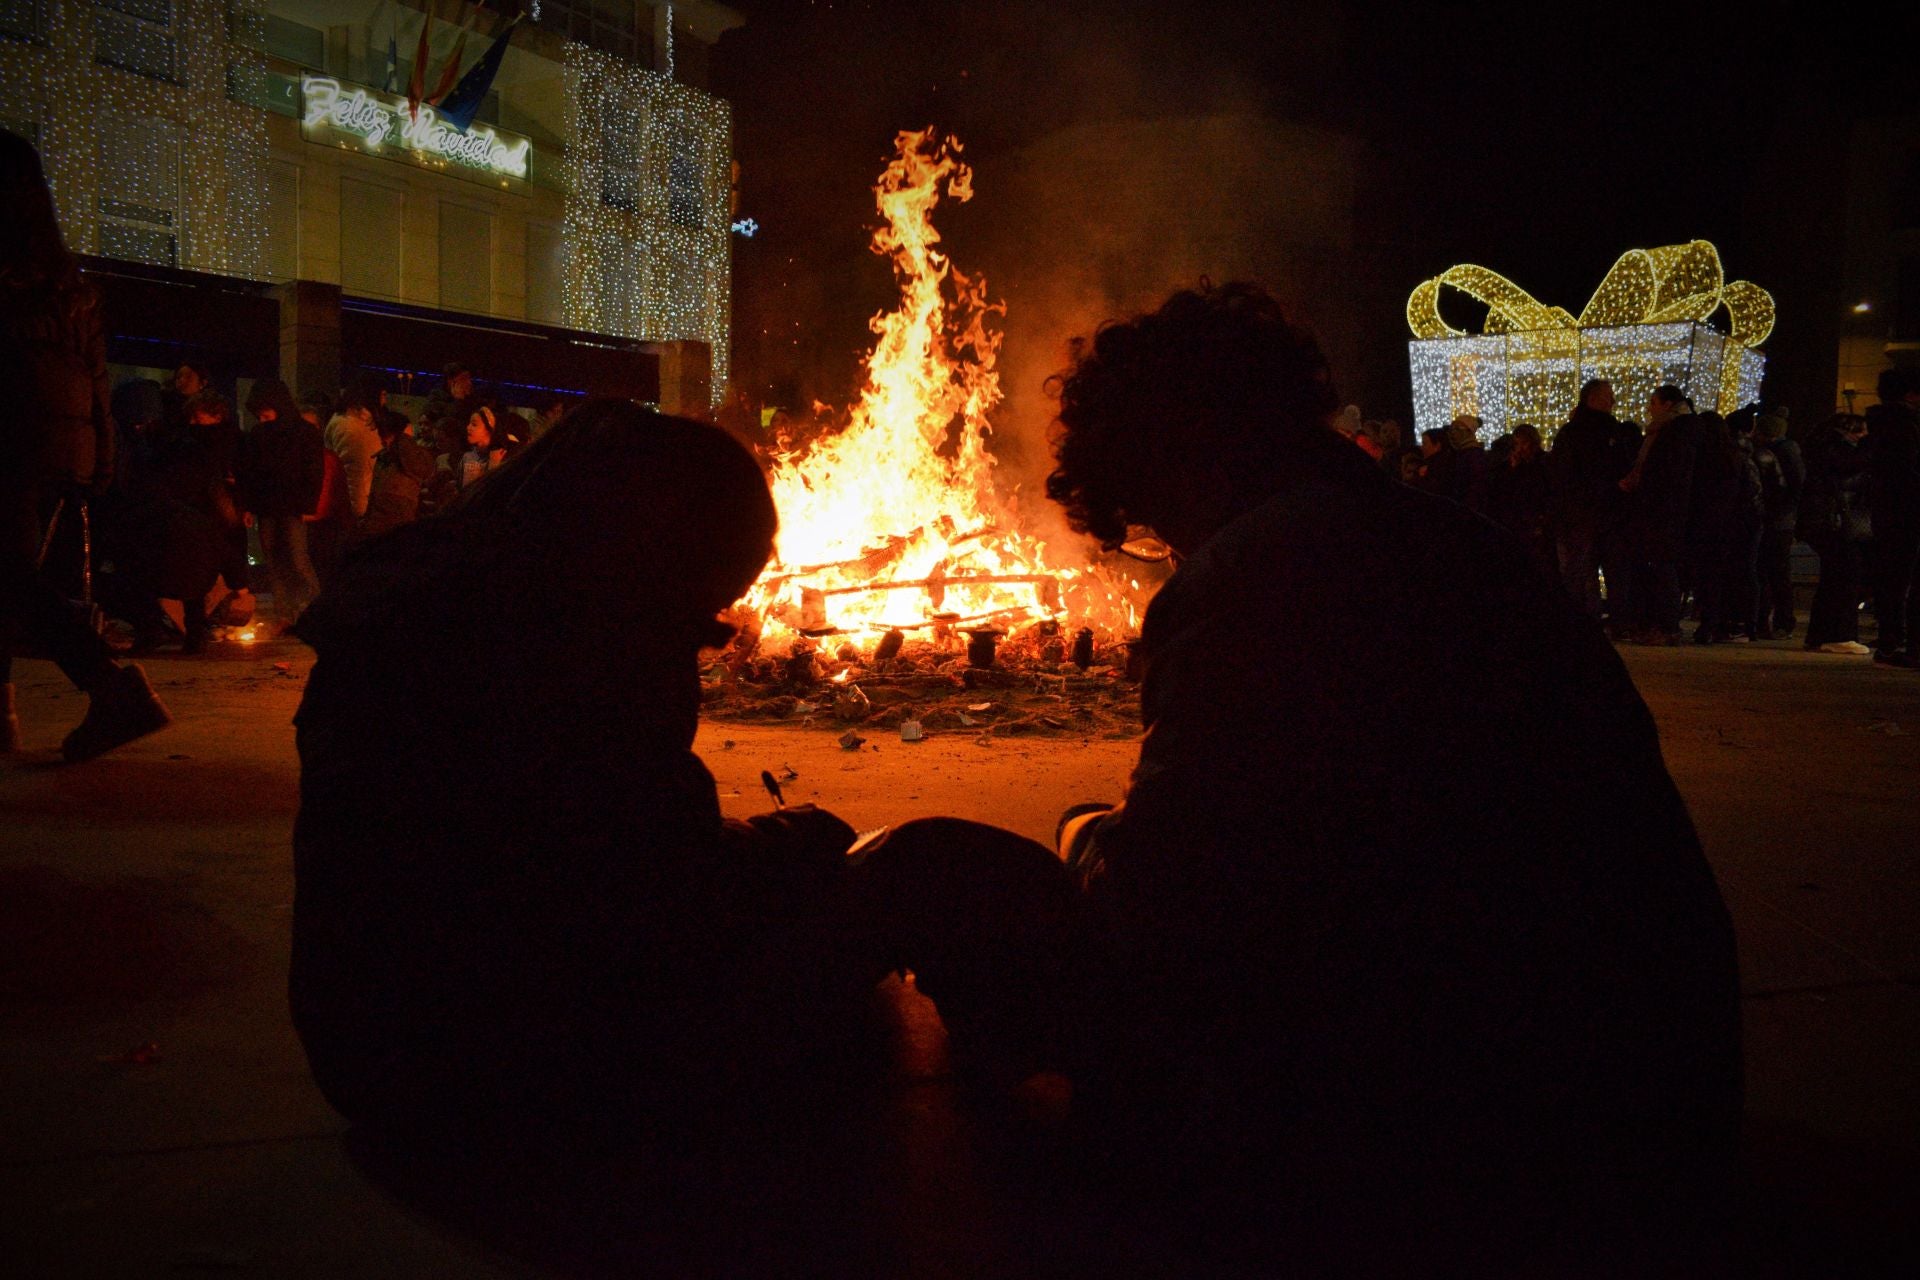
(380, 124)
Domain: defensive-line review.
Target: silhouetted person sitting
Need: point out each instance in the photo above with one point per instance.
(518, 911)
(1488, 1016)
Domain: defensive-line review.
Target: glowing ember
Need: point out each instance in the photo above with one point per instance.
(893, 521)
(246, 637)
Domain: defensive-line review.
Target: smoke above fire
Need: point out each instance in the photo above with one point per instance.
(893, 521)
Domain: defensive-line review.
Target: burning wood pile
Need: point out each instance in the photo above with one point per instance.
(901, 573)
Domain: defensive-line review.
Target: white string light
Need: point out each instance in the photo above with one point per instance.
(216, 174)
(648, 237)
(1643, 328)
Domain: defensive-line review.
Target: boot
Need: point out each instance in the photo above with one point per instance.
(120, 708)
(9, 720)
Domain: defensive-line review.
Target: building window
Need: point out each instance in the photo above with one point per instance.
(620, 163)
(686, 203)
(136, 36)
(611, 26)
(466, 258)
(370, 239)
(24, 20)
(140, 215)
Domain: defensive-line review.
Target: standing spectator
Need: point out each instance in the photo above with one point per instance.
(1783, 484)
(210, 418)
(491, 438)
(1520, 498)
(280, 468)
(1893, 438)
(352, 437)
(549, 408)
(1468, 477)
(442, 419)
(1588, 460)
(1835, 523)
(188, 381)
(331, 521)
(401, 470)
(1714, 524)
(56, 445)
(163, 535)
(316, 407)
(1435, 473)
(1659, 488)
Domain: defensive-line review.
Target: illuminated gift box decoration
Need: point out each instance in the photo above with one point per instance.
(1644, 327)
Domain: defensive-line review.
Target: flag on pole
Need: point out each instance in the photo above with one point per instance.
(417, 81)
(459, 107)
(450, 72)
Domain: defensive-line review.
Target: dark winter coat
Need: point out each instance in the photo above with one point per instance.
(1893, 443)
(1834, 503)
(1523, 963)
(280, 467)
(53, 362)
(1588, 458)
(584, 926)
(1520, 498)
(400, 471)
(1783, 501)
(1658, 510)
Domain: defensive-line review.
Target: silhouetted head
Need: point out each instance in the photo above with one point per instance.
(659, 520)
(1597, 395)
(30, 244)
(1185, 417)
(270, 401)
(1900, 385)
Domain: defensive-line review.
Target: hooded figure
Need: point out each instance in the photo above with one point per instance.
(565, 940)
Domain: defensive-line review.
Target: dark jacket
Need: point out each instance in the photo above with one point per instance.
(400, 471)
(1658, 509)
(1893, 443)
(280, 467)
(566, 934)
(1520, 499)
(1522, 964)
(1588, 458)
(1783, 499)
(53, 362)
(1834, 503)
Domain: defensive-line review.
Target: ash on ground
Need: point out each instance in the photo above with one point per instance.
(1029, 685)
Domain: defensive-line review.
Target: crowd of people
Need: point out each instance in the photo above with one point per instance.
(1690, 514)
(118, 499)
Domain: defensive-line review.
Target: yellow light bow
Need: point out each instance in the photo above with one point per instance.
(1676, 282)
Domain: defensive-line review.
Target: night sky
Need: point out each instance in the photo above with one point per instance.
(1539, 140)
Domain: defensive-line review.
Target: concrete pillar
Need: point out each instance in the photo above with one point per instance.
(309, 335)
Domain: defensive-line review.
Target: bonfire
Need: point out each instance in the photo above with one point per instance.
(900, 563)
(893, 523)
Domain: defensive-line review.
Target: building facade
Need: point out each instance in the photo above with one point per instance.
(1880, 305)
(271, 141)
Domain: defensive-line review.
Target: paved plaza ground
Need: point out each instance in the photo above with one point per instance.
(159, 1119)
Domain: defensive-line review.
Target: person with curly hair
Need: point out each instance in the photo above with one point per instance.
(1496, 1014)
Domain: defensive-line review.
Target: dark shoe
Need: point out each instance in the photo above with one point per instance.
(1890, 658)
(123, 707)
(1703, 636)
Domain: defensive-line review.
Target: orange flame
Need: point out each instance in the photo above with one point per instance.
(894, 520)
